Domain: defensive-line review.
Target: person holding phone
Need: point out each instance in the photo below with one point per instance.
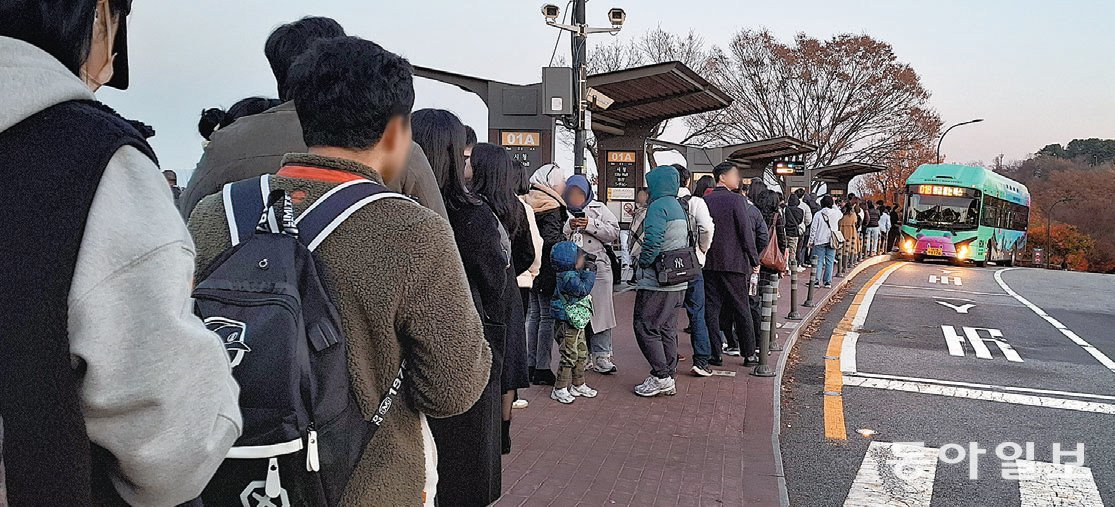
(592, 226)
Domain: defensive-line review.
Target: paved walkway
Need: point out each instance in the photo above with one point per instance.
(709, 446)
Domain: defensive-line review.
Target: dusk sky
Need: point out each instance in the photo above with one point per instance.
(1039, 72)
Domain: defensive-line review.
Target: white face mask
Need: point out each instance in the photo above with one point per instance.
(98, 66)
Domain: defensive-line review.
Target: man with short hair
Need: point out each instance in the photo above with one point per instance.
(254, 145)
(393, 265)
(701, 227)
(732, 258)
(172, 180)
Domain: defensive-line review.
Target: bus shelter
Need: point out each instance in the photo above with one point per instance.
(638, 100)
(837, 177)
(751, 158)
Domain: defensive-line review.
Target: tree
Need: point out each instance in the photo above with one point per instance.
(848, 95)
(890, 183)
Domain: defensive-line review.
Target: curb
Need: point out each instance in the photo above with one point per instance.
(775, 440)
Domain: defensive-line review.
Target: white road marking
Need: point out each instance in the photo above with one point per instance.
(848, 347)
(983, 395)
(894, 474)
(959, 309)
(943, 289)
(1044, 484)
(984, 386)
(1096, 353)
(944, 280)
(955, 343)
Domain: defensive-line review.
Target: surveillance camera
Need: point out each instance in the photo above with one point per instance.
(617, 17)
(551, 12)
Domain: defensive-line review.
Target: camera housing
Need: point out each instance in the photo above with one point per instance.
(551, 12)
(617, 17)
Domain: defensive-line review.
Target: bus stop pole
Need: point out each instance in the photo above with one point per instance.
(774, 280)
(793, 315)
(809, 283)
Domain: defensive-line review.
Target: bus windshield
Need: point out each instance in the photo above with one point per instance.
(943, 212)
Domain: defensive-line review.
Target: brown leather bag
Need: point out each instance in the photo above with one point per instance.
(772, 257)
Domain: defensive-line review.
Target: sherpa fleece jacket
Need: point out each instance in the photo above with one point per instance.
(396, 276)
(157, 391)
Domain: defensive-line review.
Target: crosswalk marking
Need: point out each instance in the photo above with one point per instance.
(1044, 484)
(902, 474)
(980, 394)
(894, 474)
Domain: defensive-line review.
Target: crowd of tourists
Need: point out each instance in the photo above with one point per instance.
(342, 304)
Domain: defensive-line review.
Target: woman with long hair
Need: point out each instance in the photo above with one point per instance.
(468, 445)
(497, 179)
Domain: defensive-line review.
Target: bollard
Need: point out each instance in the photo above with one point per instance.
(774, 279)
(793, 315)
(809, 283)
(838, 263)
(763, 368)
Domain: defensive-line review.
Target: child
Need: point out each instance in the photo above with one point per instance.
(572, 308)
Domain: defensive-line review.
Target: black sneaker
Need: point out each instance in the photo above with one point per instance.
(751, 361)
(716, 361)
(701, 370)
(828, 285)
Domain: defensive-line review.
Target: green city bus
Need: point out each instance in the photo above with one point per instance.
(963, 213)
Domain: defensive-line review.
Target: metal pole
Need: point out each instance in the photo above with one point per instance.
(793, 315)
(838, 262)
(942, 139)
(579, 55)
(763, 368)
(809, 281)
(775, 278)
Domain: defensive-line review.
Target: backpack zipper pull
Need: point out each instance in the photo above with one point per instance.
(312, 463)
(272, 487)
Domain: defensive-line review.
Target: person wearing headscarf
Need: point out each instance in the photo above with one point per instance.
(593, 227)
(550, 214)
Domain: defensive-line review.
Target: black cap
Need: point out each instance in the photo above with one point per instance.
(120, 46)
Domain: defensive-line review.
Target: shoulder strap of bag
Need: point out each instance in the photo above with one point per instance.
(246, 200)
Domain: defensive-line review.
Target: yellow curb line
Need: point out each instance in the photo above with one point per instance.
(834, 378)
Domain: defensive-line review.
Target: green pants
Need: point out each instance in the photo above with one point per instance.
(574, 355)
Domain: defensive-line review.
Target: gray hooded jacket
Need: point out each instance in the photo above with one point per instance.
(157, 391)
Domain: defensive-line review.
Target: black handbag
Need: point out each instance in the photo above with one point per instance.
(677, 266)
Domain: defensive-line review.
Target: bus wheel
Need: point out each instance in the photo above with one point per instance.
(919, 258)
(980, 264)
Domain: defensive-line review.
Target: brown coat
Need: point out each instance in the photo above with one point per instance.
(254, 145)
(397, 278)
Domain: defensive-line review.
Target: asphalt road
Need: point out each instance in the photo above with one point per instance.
(1033, 367)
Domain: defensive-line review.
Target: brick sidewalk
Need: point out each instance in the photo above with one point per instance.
(709, 445)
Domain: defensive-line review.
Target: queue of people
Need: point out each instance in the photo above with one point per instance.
(376, 248)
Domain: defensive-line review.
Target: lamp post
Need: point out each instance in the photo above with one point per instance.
(1049, 228)
(580, 32)
(977, 120)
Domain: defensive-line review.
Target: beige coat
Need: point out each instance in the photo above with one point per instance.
(397, 278)
(526, 280)
(603, 229)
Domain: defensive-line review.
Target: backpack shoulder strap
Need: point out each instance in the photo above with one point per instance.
(244, 202)
(332, 209)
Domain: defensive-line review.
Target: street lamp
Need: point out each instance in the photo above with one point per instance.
(977, 120)
(580, 32)
(1049, 228)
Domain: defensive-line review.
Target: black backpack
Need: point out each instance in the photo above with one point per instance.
(303, 430)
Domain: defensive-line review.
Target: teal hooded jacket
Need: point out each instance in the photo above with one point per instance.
(665, 227)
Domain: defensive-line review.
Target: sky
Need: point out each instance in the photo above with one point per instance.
(1039, 72)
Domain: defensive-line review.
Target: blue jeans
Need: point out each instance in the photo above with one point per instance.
(872, 240)
(540, 332)
(695, 308)
(826, 256)
(599, 342)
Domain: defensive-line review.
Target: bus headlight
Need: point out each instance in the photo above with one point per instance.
(962, 253)
(908, 246)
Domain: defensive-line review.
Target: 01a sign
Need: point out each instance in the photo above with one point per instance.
(619, 174)
(527, 139)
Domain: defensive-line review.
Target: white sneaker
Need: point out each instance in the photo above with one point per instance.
(799, 269)
(562, 396)
(603, 364)
(654, 386)
(520, 404)
(583, 390)
(731, 351)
